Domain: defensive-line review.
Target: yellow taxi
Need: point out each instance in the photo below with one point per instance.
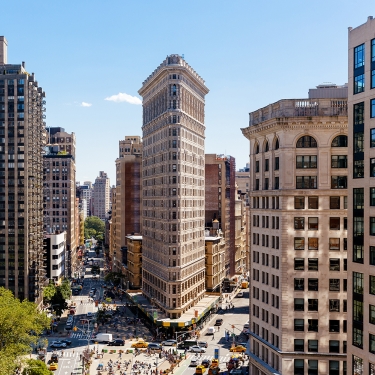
(200, 369)
(140, 344)
(53, 366)
(238, 348)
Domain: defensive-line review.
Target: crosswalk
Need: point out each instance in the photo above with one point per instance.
(211, 357)
(79, 335)
(69, 353)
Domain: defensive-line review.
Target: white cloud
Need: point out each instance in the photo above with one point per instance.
(84, 104)
(122, 97)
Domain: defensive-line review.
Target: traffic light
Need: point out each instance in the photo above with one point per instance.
(75, 329)
(233, 326)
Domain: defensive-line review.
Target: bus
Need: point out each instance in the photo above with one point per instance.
(186, 344)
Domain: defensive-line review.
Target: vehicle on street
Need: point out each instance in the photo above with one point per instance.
(104, 337)
(197, 349)
(187, 344)
(200, 370)
(211, 330)
(57, 344)
(53, 367)
(206, 363)
(236, 371)
(240, 294)
(238, 348)
(194, 362)
(169, 343)
(91, 293)
(219, 322)
(67, 342)
(244, 284)
(154, 346)
(54, 358)
(140, 344)
(116, 342)
(203, 344)
(75, 292)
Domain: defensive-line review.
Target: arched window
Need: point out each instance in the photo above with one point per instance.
(340, 141)
(277, 144)
(266, 147)
(257, 148)
(306, 141)
(174, 90)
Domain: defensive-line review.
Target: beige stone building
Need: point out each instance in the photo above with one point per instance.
(361, 199)
(59, 195)
(101, 196)
(298, 191)
(22, 141)
(173, 186)
(243, 183)
(126, 204)
(134, 262)
(241, 235)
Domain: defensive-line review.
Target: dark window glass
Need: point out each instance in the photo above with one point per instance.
(299, 325)
(372, 108)
(339, 182)
(299, 304)
(359, 56)
(334, 326)
(277, 183)
(334, 285)
(257, 166)
(339, 161)
(334, 264)
(257, 184)
(313, 223)
(313, 325)
(372, 137)
(372, 314)
(299, 345)
(358, 169)
(313, 203)
(358, 339)
(312, 364)
(334, 346)
(313, 284)
(372, 226)
(306, 161)
(372, 167)
(299, 367)
(313, 264)
(299, 203)
(334, 203)
(299, 243)
(372, 284)
(334, 368)
(299, 264)
(313, 243)
(266, 165)
(266, 147)
(372, 343)
(358, 198)
(306, 182)
(340, 141)
(359, 83)
(334, 223)
(299, 223)
(372, 196)
(334, 305)
(299, 284)
(359, 142)
(358, 283)
(358, 311)
(372, 255)
(277, 144)
(313, 305)
(306, 142)
(257, 148)
(276, 163)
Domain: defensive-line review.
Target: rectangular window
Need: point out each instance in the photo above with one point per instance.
(358, 199)
(299, 284)
(313, 243)
(299, 203)
(372, 196)
(372, 226)
(299, 243)
(306, 161)
(257, 184)
(359, 114)
(277, 183)
(312, 365)
(313, 285)
(313, 304)
(334, 243)
(334, 285)
(334, 223)
(358, 337)
(299, 367)
(359, 56)
(334, 264)
(357, 365)
(372, 314)
(257, 166)
(312, 264)
(339, 161)
(334, 326)
(299, 304)
(313, 203)
(313, 325)
(267, 165)
(372, 285)
(372, 343)
(359, 83)
(299, 264)
(372, 114)
(299, 345)
(372, 255)
(334, 368)
(339, 182)
(334, 346)
(306, 182)
(334, 203)
(372, 167)
(313, 223)
(299, 223)
(277, 163)
(358, 169)
(334, 305)
(299, 325)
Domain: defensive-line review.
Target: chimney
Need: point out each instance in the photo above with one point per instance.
(3, 50)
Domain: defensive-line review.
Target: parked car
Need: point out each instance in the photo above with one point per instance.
(57, 344)
(116, 342)
(219, 322)
(203, 344)
(169, 343)
(197, 349)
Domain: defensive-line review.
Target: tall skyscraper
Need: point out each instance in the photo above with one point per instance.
(22, 140)
(60, 213)
(173, 186)
(298, 197)
(361, 201)
(100, 196)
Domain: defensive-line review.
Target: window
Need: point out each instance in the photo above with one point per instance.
(312, 264)
(306, 182)
(357, 365)
(299, 202)
(266, 184)
(357, 337)
(257, 148)
(299, 223)
(313, 223)
(334, 326)
(359, 56)
(372, 255)
(299, 243)
(299, 367)
(312, 346)
(334, 264)
(257, 166)
(334, 368)
(299, 345)
(334, 203)
(306, 162)
(372, 114)
(372, 167)
(313, 285)
(299, 284)
(358, 283)
(266, 165)
(277, 163)
(339, 182)
(266, 147)
(299, 304)
(306, 142)
(277, 183)
(312, 365)
(340, 141)
(334, 305)
(372, 226)
(334, 243)
(313, 304)
(313, 243)
(277, 145)
(358, 169)
(372, 343)
(299, 325)
(334, 346)
(359, 83)
(257, 184)
(334, 223)
(339, 161)
(372, 314)
(358, 199)
(299, 264)
(372, 284)
(334, 285)
(313, 325)
(372, 196)
(313, 203)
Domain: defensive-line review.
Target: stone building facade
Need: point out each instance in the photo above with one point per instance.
(298, 197)
(101, 196)
(173, 186)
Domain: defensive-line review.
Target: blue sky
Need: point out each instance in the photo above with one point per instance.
(250, 53)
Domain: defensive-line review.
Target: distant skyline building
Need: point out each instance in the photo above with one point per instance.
(22, 141)
(299, 207)
(173, 239)
(101, 196)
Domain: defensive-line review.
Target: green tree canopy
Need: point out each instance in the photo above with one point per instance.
(115, 277)
(94, 223)
(36, 367)
(58, 302)
(66, 290)
(49, 291)
(20, 325)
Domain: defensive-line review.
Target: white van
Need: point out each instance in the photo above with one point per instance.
(211, 330)
(103, 337)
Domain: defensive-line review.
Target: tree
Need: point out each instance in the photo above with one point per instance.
(114, 277)
(49, 291)
(36, 367)
(58, 302)
(66, 290)
(94, 223)
(21, 323)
